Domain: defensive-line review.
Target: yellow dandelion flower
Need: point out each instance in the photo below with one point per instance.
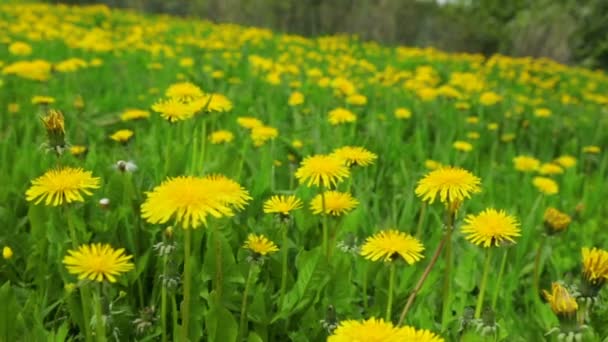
(550, 169)
(134, 114)
(295, 99)
(296, 143)
(322, 170)
(212, 103)
(261, 134)
(472, 120)
(43, 100)
(173, 109)
(336, 203)
(189, 200)
(221, 137)
(20, 49)
(592, 149)
(526, 163)
(420, 335)
(560, 300)
(462, 146)
(249, 122)
(7, 253)
(356, 100)
(122, 135)
(341, 115)
(545, 185)
(432, 164)
(403, 113)
(387, 245)
(489, 98)
(555, 220)
(566, 161)
(507, 137)
(77, 150)
(491, 228)
(282, 205)
(355, 155)
(595, 265)
(451, 184)
(62, 185)
(492, 126)
(98, 262)
(542, 112)
(371, 330)
(184, 91)
(259, 244)
(471, 135)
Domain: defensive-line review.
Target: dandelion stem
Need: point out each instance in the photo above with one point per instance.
(219, 273)
(100, 326)
(503, 264)
(420, 221)
(243, 319)
(187, 283)
(484, 283)
(84, 293)
(539, 252)
(163, 301)
(284, 265)
(447, 277)
(391, 285)
(365, 271)
(325, 228)
(422, 279)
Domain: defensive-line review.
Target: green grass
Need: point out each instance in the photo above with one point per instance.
(37, 306)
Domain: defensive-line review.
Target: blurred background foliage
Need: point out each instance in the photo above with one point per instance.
(569, 31)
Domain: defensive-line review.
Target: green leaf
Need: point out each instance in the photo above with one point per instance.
(221, 324)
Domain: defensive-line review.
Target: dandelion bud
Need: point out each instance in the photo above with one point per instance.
(556, 221)
(54, 124)
(7, 253)
(69, 287)
(169, 232)
(562, 303)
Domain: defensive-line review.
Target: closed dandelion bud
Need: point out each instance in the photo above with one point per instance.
(55, 129)
(7, 253)
(556, 221)
(169, 232)
(595, 271)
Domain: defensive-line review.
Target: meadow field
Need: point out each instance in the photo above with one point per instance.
(172, 179)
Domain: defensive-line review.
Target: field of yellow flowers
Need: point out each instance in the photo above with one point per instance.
(170, 179)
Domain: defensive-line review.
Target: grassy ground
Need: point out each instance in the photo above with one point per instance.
(126, 60)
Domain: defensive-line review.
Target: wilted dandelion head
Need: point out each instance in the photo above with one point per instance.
(595, 265)
(98, 262)
(336, 203)
(555, 220)
(260, 245)
(388, 245)
(526, 163)
(561, 301)
(64, 185)
(322, 170)
(545, 185)
(282, 205)
(190, 200)
(451, 184)
(54, 124)
(355, 155)
(491, 228)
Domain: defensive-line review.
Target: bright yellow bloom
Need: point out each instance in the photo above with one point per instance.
(355, 155)
(526, 163)
(184, 91)
(595, 265)
(489, 98)
(189, 200)
(550, 169)
(249, 122)
(491, 228)
(542, 112)
(322, 170)
(98, 262)
(387, 245)
(260, 244)
(432, 164)
(77, 150)
(174, 110)
(556, 220)
(122, 135)
(261, 134)
(371, 330)
(341, 115)
(545, 185)
(296, 143)
(212, 103)
(134, 114)
(472, 119)
(462, 146)
(282, 205)
(7, 253)
(38, 70)
(43, 100)
(295, 99)
(336, 203)
(470, 135)
(566, 161)
(560, 300)
(592, 149)
(20, 49)
(403, 113)
(356, 100)
(451, 184)
(221, 137)
(62, 185)
(420, 335)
